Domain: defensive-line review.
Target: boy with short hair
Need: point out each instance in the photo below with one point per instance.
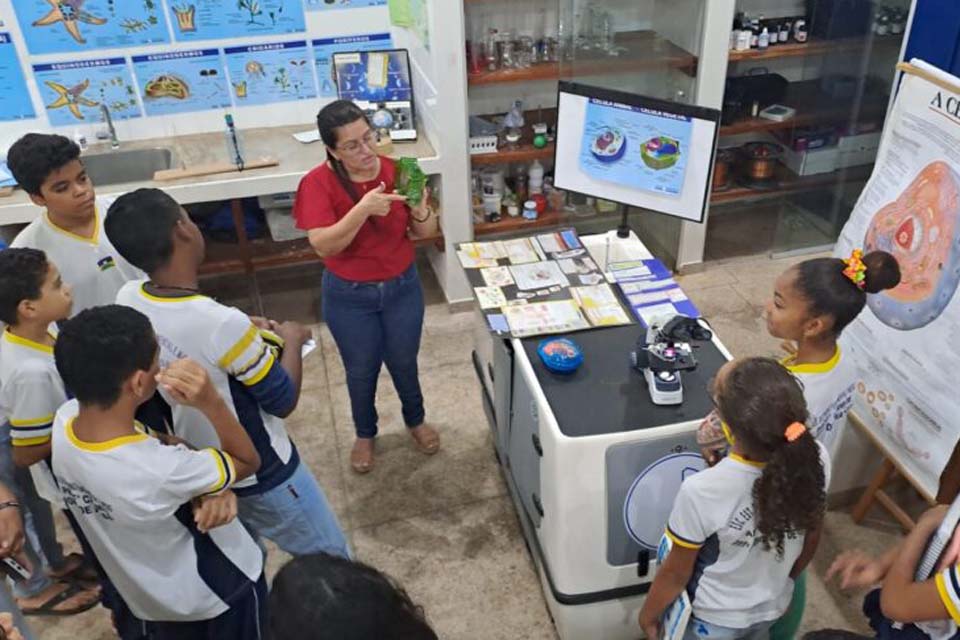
(260, 381)
(131, 494)
(49, 169)
(33, 297)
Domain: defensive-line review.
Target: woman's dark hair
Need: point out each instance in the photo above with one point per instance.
(321, 597)
(759, 399)
(829, 292)
(337, 114)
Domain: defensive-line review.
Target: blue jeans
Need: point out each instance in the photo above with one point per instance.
(295, 515)
(701, 630)
(12, 478)
(377, 323)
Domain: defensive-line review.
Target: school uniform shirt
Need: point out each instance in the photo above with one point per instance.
(31, 391)
(381, 250)
(131, 496)
(735, 583)
(243, 367)
(828, 389)
(92, 266)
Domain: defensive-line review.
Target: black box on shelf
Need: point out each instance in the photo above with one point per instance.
(839, 18)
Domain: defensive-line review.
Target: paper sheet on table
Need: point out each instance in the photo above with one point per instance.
(306, 137)
(521, 251)
(600, 305)
(557, 316)
(620, 249)
(538, 275)
(640, 286)
(498, 322)
(468, 262)
(674, 294)
(308, 347)
(484, 250)
(652, 314)
(497, 276)
(490, 297)
(630, 270)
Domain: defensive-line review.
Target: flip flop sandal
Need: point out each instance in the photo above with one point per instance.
(82, 573)
(429, 445)
(361, 462)
(47, 608)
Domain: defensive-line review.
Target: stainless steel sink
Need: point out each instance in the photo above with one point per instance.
(127, 165)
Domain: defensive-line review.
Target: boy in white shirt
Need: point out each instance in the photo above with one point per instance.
(69, 231)
(132, 494)
(259, 380)
(33, 297)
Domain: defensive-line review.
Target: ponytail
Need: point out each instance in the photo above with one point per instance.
(764, 406)
(790, 496)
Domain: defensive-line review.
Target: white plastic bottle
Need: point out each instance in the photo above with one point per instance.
(763, 41)
(535, 178)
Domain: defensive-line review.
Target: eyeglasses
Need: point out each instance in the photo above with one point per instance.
(368, 140)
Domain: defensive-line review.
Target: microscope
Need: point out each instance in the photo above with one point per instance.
(664, 351)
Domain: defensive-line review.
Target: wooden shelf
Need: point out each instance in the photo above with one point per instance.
(812, 47)
(224, 257)
(523, 153)
(548, 219)
(788, 182)
(809, 102)
(645, 51)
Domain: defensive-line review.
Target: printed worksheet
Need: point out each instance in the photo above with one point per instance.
(538, 275)
(497, 276)
(559, 316)
(601, 306)
(490, 297)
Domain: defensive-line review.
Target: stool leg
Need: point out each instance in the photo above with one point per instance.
(883, 475)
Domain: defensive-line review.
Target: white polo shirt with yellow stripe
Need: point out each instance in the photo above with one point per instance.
(828, 388)
(91, 266)
(31, 391)
(736, 583)
(243, 367)
(131, 496)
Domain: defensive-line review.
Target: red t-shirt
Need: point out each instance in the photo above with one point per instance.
(381, 249)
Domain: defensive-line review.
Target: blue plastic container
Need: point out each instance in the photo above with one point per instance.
(560, 355)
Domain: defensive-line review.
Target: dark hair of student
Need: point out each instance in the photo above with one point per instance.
(140, 225)
(759, 399)
(22, 272)
(35, 156)
(99, 348)
(325, 597)
(829, 292)
(337, 114)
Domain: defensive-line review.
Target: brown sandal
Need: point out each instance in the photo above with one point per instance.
(426, 438)
(361, 456)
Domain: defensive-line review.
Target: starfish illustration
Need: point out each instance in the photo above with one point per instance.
(70, 98)
(69, 12)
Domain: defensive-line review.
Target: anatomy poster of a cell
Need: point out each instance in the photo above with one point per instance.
(326, 5)
(73, 92)
(324, 49)
(16, 104)
(194, 20)
(635, 147)
(62, 26)
(181, 81)
(266, 73)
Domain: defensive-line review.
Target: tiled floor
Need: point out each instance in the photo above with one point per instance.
(444, 526)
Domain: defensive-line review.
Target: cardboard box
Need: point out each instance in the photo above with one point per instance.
(808, 163)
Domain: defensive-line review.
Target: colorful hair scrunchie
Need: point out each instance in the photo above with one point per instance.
(856, 271)
(794, 431)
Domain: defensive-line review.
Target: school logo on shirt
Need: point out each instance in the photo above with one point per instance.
(106, 263)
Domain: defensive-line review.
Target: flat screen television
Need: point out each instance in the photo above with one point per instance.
(635, 150)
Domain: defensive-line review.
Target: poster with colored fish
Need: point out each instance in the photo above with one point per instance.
(72, 92)
(326, 5)
(194, 20)
(324, 49)
(60, 26)
(906, 344)
(181, 81)
(16, 103)
(267, 73)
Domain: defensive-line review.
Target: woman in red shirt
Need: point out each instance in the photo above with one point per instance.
(371, 295)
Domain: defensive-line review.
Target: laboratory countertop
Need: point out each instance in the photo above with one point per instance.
(295, 159)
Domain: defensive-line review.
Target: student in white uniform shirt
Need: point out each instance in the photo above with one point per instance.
(70, 229)
(132, 494)
(743, 530)
(260, 381)
(33, 297)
